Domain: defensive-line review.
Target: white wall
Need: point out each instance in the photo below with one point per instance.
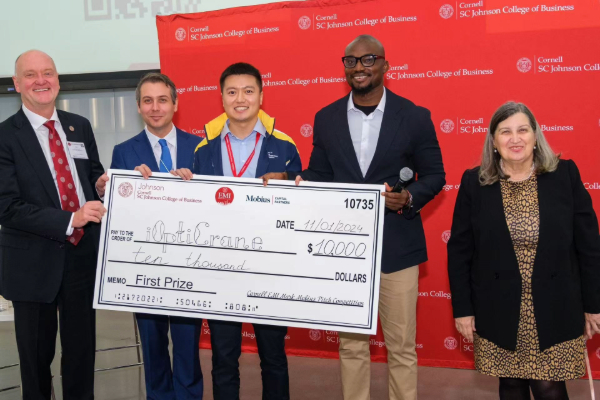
(112, 113)
(93, 36)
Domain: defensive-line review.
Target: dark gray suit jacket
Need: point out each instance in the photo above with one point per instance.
(33, 234)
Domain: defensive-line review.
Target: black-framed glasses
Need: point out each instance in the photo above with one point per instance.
(368, 60)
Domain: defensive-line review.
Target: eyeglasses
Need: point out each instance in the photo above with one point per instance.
(368, 60)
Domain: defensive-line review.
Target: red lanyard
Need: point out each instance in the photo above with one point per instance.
(232, 160)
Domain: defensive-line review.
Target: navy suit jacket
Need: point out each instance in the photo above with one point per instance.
(406, 139)
(137, 151)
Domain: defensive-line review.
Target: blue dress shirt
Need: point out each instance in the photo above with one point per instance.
(242, 149)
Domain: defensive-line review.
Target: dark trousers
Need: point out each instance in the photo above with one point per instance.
(36, 327)
(226, 342)
(185, 381)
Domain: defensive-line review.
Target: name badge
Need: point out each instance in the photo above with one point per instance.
(77, 150)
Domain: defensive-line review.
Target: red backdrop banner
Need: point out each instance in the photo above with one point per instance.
(461, 60)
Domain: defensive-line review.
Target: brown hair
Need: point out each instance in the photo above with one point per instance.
(545, 159)
(155, 77)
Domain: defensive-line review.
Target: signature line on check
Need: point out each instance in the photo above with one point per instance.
(305, 301)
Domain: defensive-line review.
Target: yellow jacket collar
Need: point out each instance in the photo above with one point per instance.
(214, 127)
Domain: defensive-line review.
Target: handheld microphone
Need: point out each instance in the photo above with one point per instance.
(406, 174)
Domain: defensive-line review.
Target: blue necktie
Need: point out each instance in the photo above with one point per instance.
(166, 163)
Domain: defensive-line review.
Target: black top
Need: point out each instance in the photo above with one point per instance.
(484, 272)
(366, 109)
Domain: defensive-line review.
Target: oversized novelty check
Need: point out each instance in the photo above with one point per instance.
(230, 249)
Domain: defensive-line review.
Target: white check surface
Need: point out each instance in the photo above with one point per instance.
(306, 256)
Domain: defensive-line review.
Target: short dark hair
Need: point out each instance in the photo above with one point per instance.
(241, 69)
(155, 77)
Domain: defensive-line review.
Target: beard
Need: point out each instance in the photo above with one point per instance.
(363, 90)
(374, 82)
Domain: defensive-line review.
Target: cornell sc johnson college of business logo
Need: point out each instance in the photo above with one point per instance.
(306, 130)
(450, 343)
(314, 335)
(447, 126)
(446, 11)
(125, 189)
(180, 34)
(446, 236)
(524, 64)
(304, 22)
(224, 196)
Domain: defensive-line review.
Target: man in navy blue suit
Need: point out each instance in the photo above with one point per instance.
(161, 147)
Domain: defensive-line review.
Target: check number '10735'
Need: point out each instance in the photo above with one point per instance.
(359, 203)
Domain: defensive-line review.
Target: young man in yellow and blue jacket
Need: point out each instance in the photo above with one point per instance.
(243, 142)
(247, 128)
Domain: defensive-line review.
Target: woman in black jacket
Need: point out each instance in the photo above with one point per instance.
(524, 261)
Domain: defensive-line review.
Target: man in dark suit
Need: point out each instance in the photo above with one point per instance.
(161, 147)
(50, 217)
(367, 137)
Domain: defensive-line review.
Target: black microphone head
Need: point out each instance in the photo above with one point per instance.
(406, 174)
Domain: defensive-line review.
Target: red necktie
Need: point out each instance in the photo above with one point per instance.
(64, 178)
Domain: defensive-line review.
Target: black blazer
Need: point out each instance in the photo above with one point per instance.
(484, 273)
(406, 139)
(33, 234)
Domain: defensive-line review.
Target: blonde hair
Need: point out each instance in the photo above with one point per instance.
(545, 159)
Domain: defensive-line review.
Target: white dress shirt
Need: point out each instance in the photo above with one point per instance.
(37, 122)
(364, 131)
(171, 139)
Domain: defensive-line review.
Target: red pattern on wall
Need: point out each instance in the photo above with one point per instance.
(459, 59)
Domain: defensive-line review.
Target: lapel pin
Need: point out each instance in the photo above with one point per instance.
(71, 128)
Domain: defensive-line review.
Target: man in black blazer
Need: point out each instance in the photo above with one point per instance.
(50, 217)
(367, 137)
